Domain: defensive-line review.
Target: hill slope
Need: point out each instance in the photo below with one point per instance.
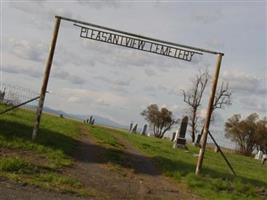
(105, 163)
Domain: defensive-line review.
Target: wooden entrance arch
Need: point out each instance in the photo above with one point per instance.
(138, 42)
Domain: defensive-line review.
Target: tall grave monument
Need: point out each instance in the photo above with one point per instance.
(180, 141)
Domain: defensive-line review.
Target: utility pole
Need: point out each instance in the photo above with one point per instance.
(46, 78)
(208, 115)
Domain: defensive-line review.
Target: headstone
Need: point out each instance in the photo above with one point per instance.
(144, 129)
(93, 122)
(91, 119)
(131, 126)
(259, 155)
(173, 136)
(2, 95)
(181, 141)
(197, 143)
(264, 158)
(198, 140)
(134, 128)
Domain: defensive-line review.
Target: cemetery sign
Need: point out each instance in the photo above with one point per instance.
(136, 43)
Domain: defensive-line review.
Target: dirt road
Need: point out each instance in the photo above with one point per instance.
(136, 179)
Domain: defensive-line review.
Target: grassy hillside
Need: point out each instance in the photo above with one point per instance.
(43, 161)
(216, 181)
(40, 162)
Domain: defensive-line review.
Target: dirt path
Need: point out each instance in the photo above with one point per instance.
(155, 185)
(137, 178)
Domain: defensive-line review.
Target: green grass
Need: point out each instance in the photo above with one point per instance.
(104, 138)
(216, 181)
(12, 164)
(39, 162)
(112, 150)
(55, 139)
(22, 171)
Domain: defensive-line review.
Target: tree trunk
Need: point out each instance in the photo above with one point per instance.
(193, 133)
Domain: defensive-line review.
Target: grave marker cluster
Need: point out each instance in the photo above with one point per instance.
(133, 129)
(90, 121)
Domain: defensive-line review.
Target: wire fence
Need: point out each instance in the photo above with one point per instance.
(14, 94)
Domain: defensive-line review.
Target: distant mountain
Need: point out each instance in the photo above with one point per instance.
(98, 119)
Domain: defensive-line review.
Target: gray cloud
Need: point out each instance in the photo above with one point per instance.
(102, 102)
(28, 7)
(120, 90)
(27, 50)
(100, 4)
(159, 89)
(37, 51)
(150, 72)
(207, 16)
(64, 75)
(116, 82)
(254, 104)
(35, 72)
(245, 84)
(22, 70)
(41, 12)
(68, 57)
(41, 8)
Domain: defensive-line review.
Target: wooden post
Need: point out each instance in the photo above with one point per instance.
(208, 115)
(46, 78)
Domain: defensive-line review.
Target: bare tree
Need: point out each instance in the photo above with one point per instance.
(192, 98)
(222, 97)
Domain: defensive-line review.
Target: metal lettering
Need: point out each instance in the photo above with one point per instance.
(181, 54)
(98, 36)
(165, 50)
(191, 55)
(92, 33)
(131, 42)
(104, 36)
(186, 53)
(109, 38)
(127, 43)
(84, 32)
(116, 39)
(141, 44)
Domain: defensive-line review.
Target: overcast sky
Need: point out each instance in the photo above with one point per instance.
(90, 77)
